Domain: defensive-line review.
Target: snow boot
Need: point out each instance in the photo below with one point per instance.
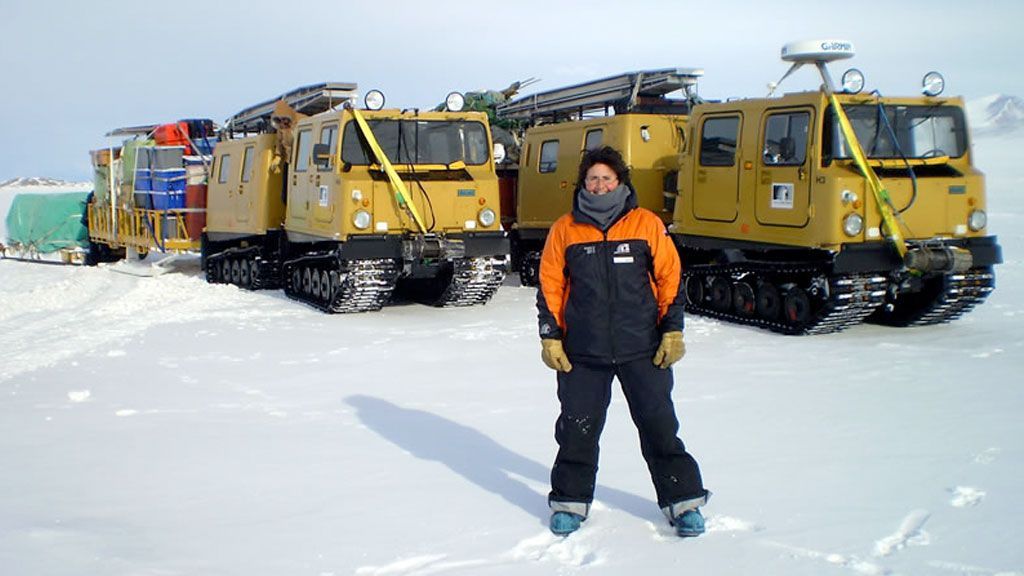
(689, 524)
(565, 523)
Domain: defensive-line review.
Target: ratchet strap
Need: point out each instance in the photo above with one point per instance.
(881, 195)
(401, 193)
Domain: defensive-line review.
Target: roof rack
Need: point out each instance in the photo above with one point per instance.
(132, 131)
(639, 91)
(309, 100)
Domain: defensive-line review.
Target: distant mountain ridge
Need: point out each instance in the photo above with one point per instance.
(996, 114)
(42, 181)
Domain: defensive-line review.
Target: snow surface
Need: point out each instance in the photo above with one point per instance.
(164, 426)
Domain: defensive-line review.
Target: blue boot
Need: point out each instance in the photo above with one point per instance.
(689, 524)
(565, 523)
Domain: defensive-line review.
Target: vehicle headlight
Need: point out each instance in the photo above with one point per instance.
(454, 102)
(853, 81)
(933, 84)
(853, 224)
(374, 100)
(977, 220)
(361, 219)
(486, 217)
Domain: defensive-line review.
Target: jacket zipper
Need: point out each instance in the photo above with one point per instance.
(609, 270)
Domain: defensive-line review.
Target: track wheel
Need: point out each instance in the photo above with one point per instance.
(768, 301)
(236, 273)
(296, 280)
(694, 290)
(797, 306)
(325, 286)
(244, 274)
(743, 299)
(307, 280)
(721, 294)
(225, 271)
(314, 284)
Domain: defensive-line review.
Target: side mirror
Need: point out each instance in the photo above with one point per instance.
(322, 156)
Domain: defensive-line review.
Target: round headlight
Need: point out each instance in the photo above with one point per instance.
(933, 84)
(486, 217)
(454, 102)
(374, 100)
(853, 81)
(361, 219)
(977, 220)
(853, 224)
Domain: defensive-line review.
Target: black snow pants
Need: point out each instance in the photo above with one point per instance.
(584, 394)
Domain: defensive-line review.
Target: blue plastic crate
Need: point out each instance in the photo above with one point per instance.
(168, 200)
(143, 179)
(169, 180)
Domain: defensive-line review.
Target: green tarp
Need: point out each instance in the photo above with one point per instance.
(47, 222)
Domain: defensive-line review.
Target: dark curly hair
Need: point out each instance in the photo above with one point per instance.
(608, 156)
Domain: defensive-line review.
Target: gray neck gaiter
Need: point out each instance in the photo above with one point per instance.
(603, 208)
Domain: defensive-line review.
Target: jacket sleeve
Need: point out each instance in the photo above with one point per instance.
(553, 284)
(667, 279)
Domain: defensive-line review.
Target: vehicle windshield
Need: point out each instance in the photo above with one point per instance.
(920, 131)
(418, 142)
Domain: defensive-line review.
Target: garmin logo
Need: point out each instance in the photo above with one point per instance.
(836, 46)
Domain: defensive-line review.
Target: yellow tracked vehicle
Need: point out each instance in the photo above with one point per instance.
(810, 212)
(365, 201)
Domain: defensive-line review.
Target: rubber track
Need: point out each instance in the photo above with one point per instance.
(850, 298)
(356, 285)
(474, 281)
(961, 294)
(266, 271)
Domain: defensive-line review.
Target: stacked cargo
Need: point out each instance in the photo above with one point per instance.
(157, 182)
(106, 163)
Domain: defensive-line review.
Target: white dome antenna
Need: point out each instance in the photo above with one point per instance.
(819, 53)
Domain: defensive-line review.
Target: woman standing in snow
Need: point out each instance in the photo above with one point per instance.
(610, 306)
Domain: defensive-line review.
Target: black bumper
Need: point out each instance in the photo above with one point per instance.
(393, 246)
(879, 256)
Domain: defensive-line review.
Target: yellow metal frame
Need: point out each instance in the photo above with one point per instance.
(141, 229)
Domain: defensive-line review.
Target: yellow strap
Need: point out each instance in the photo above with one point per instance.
(881, 194)
(400, 192)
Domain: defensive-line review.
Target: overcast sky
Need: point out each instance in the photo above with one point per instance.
(74, 70)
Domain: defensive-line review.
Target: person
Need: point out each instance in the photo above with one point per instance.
(610, 306)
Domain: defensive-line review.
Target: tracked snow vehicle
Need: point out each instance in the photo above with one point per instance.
(811, 212)
(369, 201)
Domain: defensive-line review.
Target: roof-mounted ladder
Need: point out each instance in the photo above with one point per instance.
(627, 92)
(309, 100)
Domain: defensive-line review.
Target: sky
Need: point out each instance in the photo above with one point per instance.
(75, 70)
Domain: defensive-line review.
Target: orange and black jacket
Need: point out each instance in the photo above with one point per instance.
(609, 296)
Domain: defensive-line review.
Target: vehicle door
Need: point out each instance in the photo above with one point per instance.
(302, 179)
(783, 188)
(716, 172)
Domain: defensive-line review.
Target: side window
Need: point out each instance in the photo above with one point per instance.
(301, 161)
(329, 136)
(548, 157)
(718, 141)
(225, 169)
(785, 139)
(593, 139)
(247, 157)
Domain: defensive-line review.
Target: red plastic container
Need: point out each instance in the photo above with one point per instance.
(195, 197)
(173, 135)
